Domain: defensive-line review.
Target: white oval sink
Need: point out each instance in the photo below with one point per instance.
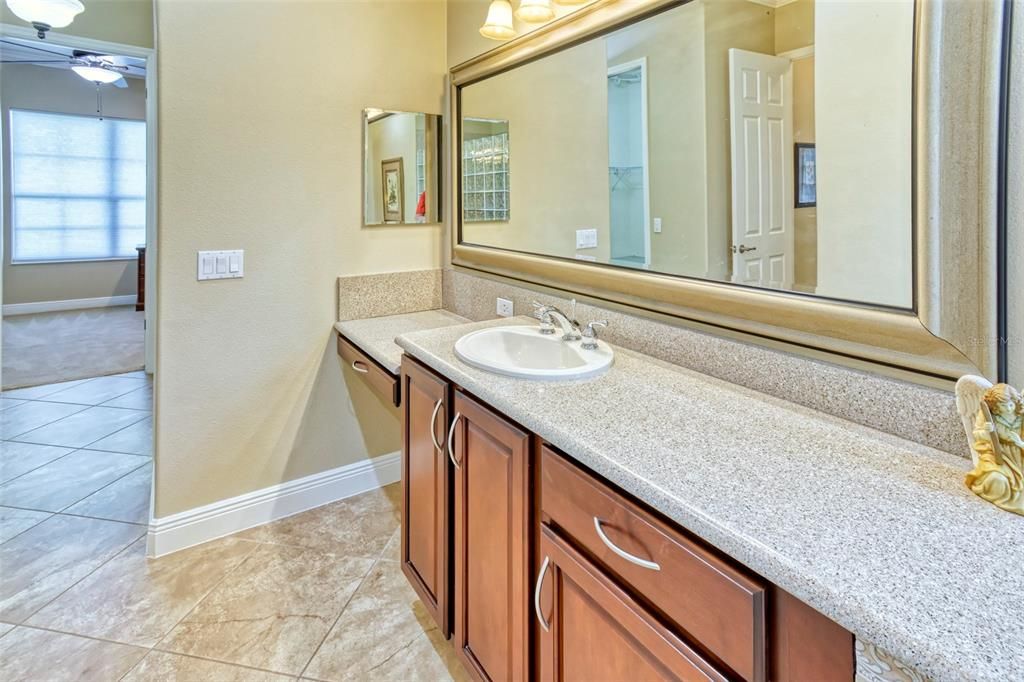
(526, 353)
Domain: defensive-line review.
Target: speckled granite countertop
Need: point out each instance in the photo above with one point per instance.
(376, 335)
(875, 532)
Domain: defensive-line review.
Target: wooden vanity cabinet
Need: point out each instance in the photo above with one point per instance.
(426, 490)
(591, 629)
(492, 540)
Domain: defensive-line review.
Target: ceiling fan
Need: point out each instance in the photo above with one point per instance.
(97, 68)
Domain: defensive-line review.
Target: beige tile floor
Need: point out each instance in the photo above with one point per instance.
(317, 596)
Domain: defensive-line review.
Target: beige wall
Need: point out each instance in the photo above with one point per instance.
(673, 44)
(746, 26)
(129, 22)
(556, 110)
(390, 138)
(794, 26)
(257, 154)
(863, 121)
(42, 88)
(805, 220)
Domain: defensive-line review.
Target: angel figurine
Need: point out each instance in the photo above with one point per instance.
(993, 418)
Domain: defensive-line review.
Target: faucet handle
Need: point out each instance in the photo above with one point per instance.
(590, 334)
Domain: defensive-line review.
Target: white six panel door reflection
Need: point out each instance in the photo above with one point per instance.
(761, 112)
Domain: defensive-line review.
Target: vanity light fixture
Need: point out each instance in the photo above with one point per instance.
(535, 11)
(572, 2)
(498, 25)
(46, 14)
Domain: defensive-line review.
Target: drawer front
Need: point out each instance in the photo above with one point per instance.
(720, 607)
(384, 383)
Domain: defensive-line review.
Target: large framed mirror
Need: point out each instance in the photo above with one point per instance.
(791, 171)
(401, 167)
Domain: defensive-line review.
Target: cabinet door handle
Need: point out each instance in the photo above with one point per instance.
(451, 439)
(360, 367)
(433, 425)
(536, 594)
(631, 558)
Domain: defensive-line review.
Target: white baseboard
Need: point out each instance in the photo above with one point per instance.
(195, 526)
(72, 304)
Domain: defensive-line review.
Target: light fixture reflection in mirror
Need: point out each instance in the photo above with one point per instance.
(401, 167)
(535, 11)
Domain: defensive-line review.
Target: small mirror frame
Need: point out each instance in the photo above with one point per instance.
(953, 327)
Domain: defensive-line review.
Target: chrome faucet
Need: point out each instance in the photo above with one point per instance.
(549, 314)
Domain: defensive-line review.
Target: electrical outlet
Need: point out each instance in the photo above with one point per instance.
(586, 239)
(505, 308)
(657, 224)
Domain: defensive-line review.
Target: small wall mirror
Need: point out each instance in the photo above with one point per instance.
(401, 167)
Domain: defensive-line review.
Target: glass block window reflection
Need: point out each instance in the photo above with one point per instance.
(485, 178)
(421, 161)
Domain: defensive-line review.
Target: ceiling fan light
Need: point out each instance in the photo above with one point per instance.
(96, 74)
(498, 25)
(49, 13)
(535, 11)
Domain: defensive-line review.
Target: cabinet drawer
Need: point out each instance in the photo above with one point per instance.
(716, 604)
(383, 382)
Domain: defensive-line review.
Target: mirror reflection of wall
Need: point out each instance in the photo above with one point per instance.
(401, 167)
(709, 119)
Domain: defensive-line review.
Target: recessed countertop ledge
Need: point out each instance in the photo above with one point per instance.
(376, 335)
(876, 532)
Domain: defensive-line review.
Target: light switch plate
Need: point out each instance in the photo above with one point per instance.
(220, 264)
(505, 308)
(586, 239)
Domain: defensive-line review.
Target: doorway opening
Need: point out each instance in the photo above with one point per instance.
(628, 187)
(78, 286)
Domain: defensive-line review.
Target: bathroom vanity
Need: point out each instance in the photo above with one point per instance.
(539, 567)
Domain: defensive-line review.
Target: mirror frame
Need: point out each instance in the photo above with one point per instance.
(959, 54)
(439, 154)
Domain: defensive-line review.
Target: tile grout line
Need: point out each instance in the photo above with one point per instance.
(344, 608)
(86, 446)
(103, 487)
(11, 439)
(254, 543)
(71, 452)
(98, 567)
(208, 660)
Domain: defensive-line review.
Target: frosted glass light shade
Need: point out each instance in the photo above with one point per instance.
(498, 25)
(96, 74)
(535, 11)
(572, 2)
(52, 13)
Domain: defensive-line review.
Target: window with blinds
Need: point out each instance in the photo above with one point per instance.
(78, 187)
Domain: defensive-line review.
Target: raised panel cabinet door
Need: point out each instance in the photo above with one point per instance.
(590, 629)
(426, 490)
(491, 542)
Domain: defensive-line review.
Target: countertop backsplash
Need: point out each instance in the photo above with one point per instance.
(918, 413)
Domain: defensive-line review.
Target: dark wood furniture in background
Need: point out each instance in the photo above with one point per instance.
(556, 574)
(140, 296)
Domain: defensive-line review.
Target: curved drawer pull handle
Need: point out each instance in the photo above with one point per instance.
(536, 594)
(451, 440)
(360, 367)
(621, 552)
(433, 425)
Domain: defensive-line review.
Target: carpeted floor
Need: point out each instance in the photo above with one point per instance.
(47, 348)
